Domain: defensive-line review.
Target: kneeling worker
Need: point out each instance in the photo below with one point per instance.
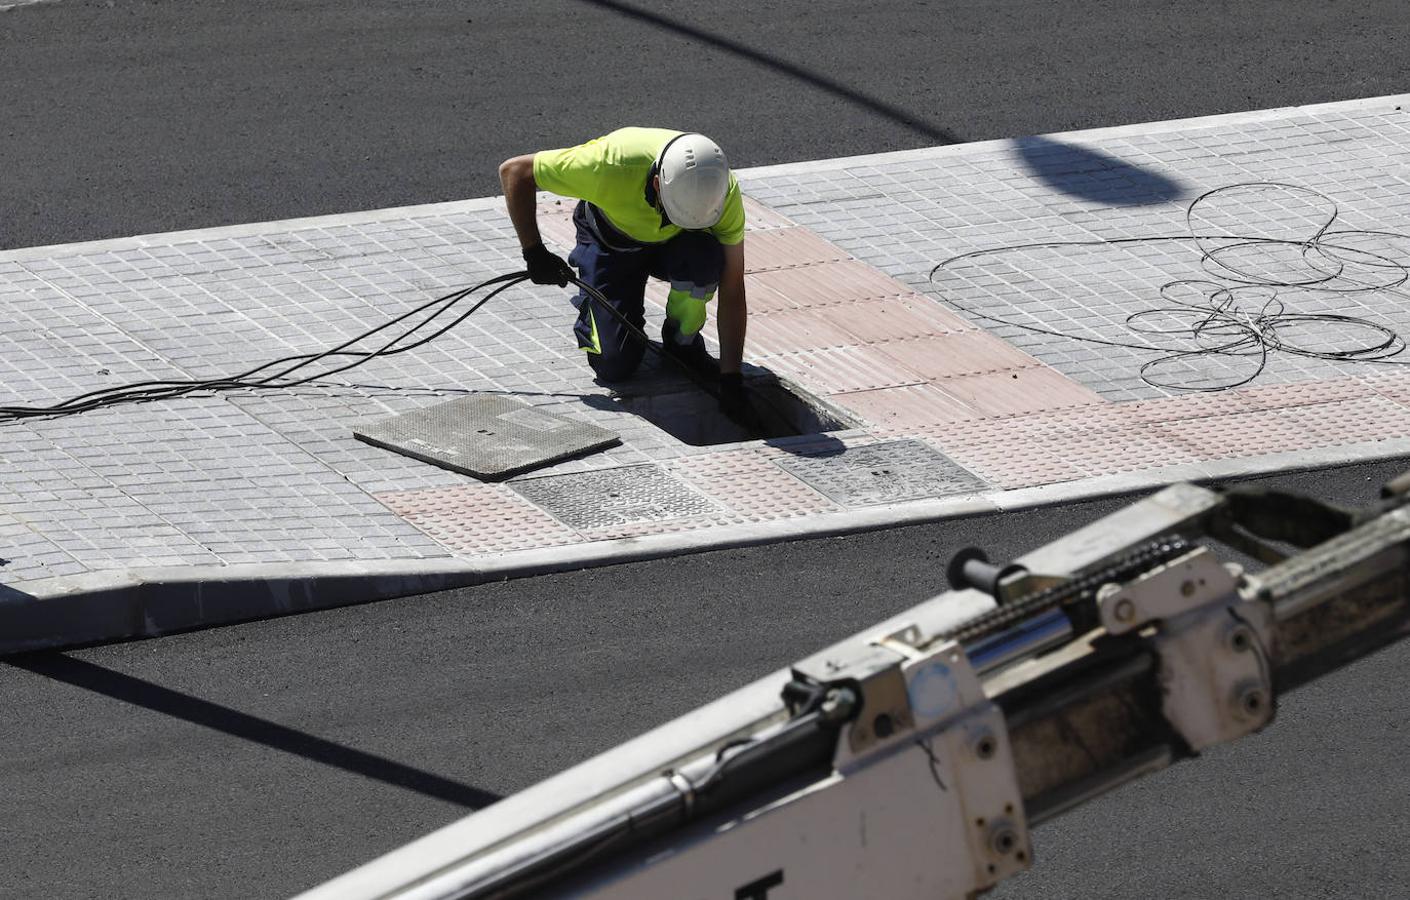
(651, 202)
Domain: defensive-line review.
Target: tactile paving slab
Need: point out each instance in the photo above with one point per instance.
(486, 436)
(889, 472)
(627, 495)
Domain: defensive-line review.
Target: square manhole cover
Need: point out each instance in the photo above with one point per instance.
(890, 472)
(621, 496)
(485, 435)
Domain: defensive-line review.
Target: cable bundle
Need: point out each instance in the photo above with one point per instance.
(1246, 315)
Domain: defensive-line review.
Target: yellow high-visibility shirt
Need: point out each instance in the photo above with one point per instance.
(610, 172)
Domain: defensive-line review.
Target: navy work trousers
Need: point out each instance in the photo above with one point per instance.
(691, 262)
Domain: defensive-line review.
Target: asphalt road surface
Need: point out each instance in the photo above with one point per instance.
(258, 760)
(127, 117)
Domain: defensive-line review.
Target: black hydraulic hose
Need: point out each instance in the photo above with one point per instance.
(260, 377)
(599, 301)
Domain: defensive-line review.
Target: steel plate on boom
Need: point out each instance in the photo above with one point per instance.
(484, 435)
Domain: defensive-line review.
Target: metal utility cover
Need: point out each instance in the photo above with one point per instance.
(487, 436)
(883, 473)
(607, 497)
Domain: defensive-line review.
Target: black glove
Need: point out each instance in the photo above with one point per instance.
(546, 267)
(734, 402)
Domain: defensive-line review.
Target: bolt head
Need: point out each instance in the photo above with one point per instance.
(1003, 840)
(883, 726)
(1251, 702)
(985, 746)
(1125, 611)
(1240, 639)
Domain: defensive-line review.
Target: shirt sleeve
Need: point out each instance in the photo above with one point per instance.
(570, 171)
(730, 228)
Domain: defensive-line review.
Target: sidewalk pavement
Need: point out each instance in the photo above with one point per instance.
(980, 387)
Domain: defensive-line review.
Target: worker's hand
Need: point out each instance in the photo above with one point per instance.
(734, 401)
(546, 267)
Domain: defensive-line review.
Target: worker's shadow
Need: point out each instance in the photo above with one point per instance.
(688, 408)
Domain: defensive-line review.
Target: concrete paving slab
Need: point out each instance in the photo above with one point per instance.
(1005, 323)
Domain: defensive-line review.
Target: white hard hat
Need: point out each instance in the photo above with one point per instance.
(694, 181)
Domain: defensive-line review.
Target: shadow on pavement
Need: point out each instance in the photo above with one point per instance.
(814, 78)
(1090, 175)
(101, 680)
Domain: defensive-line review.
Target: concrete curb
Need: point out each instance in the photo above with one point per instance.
(148, 602)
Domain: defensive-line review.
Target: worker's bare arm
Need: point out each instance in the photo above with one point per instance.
(516, 175)
(734, 310)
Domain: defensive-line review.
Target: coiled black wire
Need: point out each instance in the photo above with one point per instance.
(282, 373)
(1246, 314)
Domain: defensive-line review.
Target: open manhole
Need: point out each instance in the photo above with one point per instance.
(687, 413)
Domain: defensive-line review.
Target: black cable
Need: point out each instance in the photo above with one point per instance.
(147, 391)
(1249, 319)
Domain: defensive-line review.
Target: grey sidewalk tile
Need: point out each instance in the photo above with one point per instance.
(276, 476)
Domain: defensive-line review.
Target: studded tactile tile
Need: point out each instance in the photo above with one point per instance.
(749, 484)
(1393, 384)
(889, 472)
(1358, 420)
(1021, 462)
(1281, 396)
(1188, 407)
(478, 518)
(1240, 435)
(1110, 451)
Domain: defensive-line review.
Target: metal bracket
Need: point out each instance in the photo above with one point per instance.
(1213, 645)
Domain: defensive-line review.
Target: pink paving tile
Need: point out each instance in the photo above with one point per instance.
(964, 353)
(894, 318)
(1393, 384)
(758, 217)
(1188, 406)
(558, 234)
(1048, 424)
(751, 485)
(1018, 461)
(839, 369)
(780, 248)
(644, 529)
(825, 284)
(1238, 435)
(1110, 451)
(1018, 391)
(555, 219)
(788, 330)
(1280, 396)
(763, 296)
(902, 407)
(1353, 420)
(478, 518)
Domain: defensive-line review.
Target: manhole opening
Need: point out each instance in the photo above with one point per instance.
(778, 409)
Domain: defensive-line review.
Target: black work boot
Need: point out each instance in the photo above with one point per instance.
(693, 355)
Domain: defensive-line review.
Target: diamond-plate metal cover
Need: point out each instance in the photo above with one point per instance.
(487, 436)
(609, 497)
(883, 473)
